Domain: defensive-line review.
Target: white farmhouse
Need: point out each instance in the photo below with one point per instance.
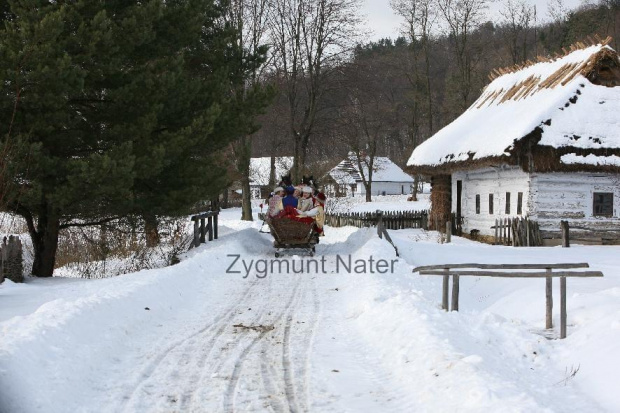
(387, 178)
(542, 140)
(260, 170)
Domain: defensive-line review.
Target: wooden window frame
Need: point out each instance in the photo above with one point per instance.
(519, 203)
(490, 204)
(507, 203)
(477, 204)
(594, 205)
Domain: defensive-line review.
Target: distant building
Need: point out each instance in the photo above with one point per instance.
(387, 178)
(260, 169)
(541, 141)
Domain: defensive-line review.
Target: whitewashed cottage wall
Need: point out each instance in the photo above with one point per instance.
(570, 196)
(496, 181)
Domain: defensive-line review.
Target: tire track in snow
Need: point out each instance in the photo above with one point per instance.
(231, 393)
(152, 367)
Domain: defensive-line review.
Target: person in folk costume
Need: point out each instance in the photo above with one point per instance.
(306, 202)
(290, 200)
(275, 203)
(318, 213)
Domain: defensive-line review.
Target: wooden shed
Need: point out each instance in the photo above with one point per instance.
(543, 140)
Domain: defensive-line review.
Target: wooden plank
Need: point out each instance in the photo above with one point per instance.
(549, 300)
(562, 307)
(565, 234)
(448, 232)
(210, 228)
(455, 293)
(562, 266)
(474, 273)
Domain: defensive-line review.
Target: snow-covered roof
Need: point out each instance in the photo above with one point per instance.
(261, 167)
(556, 96)
(384, 170)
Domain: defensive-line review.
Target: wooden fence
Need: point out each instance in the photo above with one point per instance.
(390, 219)
(499, 270)
(204, 224)
(11, 259)
(518, 232)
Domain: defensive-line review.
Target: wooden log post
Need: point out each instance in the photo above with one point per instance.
(448, 232)
(215, 219)
(565, 234)
(196, 233)
(210, 228)
(444, 291)
(549, 300)
(380, 224)
(202, 230)
(455, 293)
(562, 307)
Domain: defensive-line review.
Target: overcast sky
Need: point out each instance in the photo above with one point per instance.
(384, 23)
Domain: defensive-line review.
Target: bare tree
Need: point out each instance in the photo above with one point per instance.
(367, 115)
(420, 16)
(517, 16)
(249, 17)
(462, 18)
(309, 38)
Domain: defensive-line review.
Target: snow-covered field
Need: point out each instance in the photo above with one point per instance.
(193, 337)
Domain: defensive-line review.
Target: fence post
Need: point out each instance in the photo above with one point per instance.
(455, 293)
(444, 291)
(562, 307)
(496, 232)
(210, 228)
(565, 234)
(196, 233)
(549, 300)
(202, 230)
(449, 234)
(380, 224)
(215, 218)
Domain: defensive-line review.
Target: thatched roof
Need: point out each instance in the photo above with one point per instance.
(544, 111)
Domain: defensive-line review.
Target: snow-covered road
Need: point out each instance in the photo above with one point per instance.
(193, 337)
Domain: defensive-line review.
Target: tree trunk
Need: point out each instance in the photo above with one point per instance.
(45, 245)
(414, 193)
(272, 174)
(150, 230)
(246, 199)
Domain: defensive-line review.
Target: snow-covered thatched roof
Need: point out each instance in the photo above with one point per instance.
(568, 104)
(347, 172)
(261, 167)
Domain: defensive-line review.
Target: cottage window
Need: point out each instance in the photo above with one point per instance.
(478, 204)
(507, 203)
(519, 203)
(603, 204)
(490, 204)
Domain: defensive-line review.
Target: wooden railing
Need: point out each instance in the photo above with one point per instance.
(204, 224)
(498, 270)
(391, 219)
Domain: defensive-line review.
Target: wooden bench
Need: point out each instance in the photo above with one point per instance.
(547, 271)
